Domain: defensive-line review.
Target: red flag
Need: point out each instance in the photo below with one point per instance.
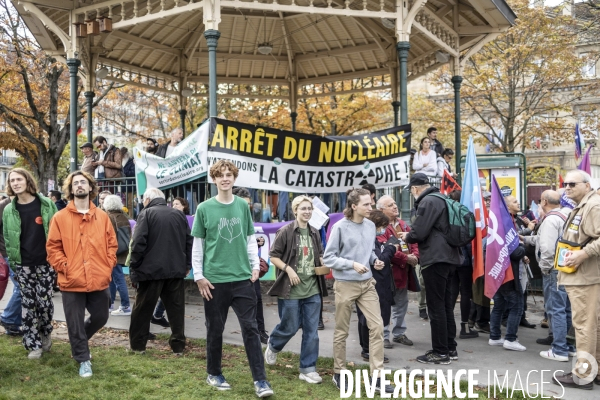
(561, 182)
(448, 184)
(79, 131)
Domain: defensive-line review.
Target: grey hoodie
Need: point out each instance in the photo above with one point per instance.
(350, 242)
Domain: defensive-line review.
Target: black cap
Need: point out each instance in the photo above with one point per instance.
(86, 144)
(418, 179)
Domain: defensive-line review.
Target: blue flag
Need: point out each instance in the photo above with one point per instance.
(579, 143)
(535, 209)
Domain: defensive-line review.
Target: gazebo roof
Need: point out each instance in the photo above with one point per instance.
(160, 44)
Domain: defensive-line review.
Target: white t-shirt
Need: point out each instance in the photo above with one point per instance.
(429, 159)
(170, 149)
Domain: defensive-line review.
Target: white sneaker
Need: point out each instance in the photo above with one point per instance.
(550, 355)
(516, 346)
(47, 342)
(35, 354)
(311, 377)
(122, 311)
(270, 355)
(497, 342)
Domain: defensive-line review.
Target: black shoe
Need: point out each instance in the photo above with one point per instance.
(547, 341)
(485, 328)
(162, 321)
(365, 356)
(526, 324)
(151, 336)
(466, 332)
(433, 358)
(337, 381)
(423, 314)
(12, 330)
(386, 389)
(403, 340)
(321, 325)
(264, 337)
(568, 380)
(453, 355)
(56, 289)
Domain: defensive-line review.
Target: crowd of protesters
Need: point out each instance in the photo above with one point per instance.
(376, 259)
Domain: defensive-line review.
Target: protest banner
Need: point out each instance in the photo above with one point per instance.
(273, 159)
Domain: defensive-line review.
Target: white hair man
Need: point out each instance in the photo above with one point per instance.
(165, 150)
(161, 257)
(407, 256)
(583, 285)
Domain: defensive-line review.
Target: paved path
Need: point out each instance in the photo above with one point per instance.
(472, 353)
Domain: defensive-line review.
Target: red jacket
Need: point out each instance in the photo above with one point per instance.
(399, 266)
(82, 249)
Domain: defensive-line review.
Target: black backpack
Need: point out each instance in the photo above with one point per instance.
(461, 221)
(123, 239)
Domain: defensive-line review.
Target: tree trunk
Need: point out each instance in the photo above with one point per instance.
(48, 173)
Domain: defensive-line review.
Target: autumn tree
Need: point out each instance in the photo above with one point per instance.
(34, 98)
(527, 83)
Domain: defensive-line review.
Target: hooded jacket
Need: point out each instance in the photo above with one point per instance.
(118, 219)
(429, 228)
(162, 244)
(11, 227)
(82, 248)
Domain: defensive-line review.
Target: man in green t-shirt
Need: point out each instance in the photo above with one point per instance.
(226, 265)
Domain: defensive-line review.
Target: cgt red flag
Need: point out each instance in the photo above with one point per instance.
(561, 183)
(448, 184)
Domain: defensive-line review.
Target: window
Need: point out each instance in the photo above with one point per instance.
(589, 68)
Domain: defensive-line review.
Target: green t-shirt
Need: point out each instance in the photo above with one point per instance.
(305, 269)
(225, 229)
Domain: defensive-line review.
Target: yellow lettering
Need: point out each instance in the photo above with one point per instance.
(232, 138)
(401, 141)
(361, 156)
(257, 142)
(380, 147)
(304, 149)
(271, 138)
(218, 137)
(340, 151)
(387, 145)
(325, 152)
(349, 156)
(289, 148)
(394, 141)
(245, 141)
(370, 148)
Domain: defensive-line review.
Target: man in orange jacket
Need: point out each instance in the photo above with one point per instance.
(82, 248)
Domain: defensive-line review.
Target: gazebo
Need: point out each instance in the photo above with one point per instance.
(189, 47)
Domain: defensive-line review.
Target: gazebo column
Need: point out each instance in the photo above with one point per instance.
(293, 116)
(182, 114)
(73, 64)
(89, 101)
(396, 105)
(402, 47)
(457, 81)
(212, 38)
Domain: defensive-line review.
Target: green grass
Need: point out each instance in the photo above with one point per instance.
(156, 375)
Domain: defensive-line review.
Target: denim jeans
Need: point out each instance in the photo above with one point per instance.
(506, 298)
(293, 315)
(12, 312)
(118, 283)
(546, 293)
(241, 297)
(559, 313)
(438, 279)
(398, 313)
(159, 310)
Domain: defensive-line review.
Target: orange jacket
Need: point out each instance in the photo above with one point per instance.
(82, 249)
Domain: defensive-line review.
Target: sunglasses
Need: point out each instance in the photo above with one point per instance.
(571, 184)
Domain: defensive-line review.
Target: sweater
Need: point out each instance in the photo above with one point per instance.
(350, 242)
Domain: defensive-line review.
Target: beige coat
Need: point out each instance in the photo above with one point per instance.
(582, 225)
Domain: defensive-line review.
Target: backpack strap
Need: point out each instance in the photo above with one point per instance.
(559, 214)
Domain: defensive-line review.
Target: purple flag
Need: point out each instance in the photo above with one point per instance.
(578, 142)
(502, 240)
(585, 162)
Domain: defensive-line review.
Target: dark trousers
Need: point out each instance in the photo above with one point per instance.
(479, 314)
(462, 282)
(80, 329)
(438, 280)
(241, 296)
(260, 317)
(173, 296)
(363, 328)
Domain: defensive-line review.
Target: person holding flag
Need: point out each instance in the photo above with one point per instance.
(500, 281)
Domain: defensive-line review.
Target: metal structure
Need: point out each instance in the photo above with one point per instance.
(293, 47)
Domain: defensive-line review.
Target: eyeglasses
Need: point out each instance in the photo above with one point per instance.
(571, 184)
(305, 209)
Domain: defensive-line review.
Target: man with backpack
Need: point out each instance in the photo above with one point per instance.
(438, 259)
(556, 302)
